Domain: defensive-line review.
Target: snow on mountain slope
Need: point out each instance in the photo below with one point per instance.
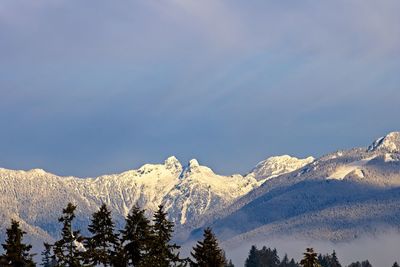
(144, 187)
(275, 166)
(389, 143)
(267, 170)
(201, 190)
(335, 184)
(353, 167)
(373, 214)
(37, 197)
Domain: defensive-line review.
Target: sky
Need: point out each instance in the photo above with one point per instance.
(93, 87)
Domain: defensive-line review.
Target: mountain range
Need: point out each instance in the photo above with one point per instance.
(336, 197)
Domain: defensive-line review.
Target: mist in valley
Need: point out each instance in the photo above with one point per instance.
(380, 251)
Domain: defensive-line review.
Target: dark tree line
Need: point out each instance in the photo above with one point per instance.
(329, 260)
(16, 253)
(267, 257)
(141, 243)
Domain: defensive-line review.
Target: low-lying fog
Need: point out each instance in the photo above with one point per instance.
(380, 251)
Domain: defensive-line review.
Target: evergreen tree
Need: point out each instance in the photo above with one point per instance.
(207, 253)
(119, 257)
(161, 252)
(65, 249)
(366, 264)
(101, 245)
(334, 260)
(230, 264)
(355, 264)
(16, 253)
(136, 237)
(252, 259)
(324, 260)
(264, 257)
(362, 264)
(48, 259)
(3, 261)
(395, 264)
(292, 263)
(284, 261)
(268, 257)
(310, 258)
(329, 260)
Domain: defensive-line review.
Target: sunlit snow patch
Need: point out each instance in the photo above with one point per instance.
(355, 167)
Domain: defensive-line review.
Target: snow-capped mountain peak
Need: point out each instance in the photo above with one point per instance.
(274, 166)
(389, 143)
(194, 167)
(172, 163)
(38, 171)
(193, 163)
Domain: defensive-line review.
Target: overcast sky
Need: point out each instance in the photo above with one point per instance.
(95, 86)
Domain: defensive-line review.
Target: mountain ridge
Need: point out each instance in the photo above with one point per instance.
(186, 191)
(281, 194)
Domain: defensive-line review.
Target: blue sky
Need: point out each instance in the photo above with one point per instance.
(93, 87)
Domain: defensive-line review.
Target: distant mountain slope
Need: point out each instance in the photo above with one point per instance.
(36, 198)
(373, 212)
(336, 197)
(275, 166)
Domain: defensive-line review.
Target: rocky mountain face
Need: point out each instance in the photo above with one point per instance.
(36, 197)
(337, 197)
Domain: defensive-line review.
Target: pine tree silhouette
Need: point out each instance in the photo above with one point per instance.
(334, 260)
(230, 264)
(329, 260)
(268, 257)
(252, 260)
(65, 249)
(324, 260)
(284, 261)
(360, 264)
(161, 252)
(292, 263)
(119, 258)
(48, 259)
(136, 237)
(355, 264)
(366, 264)
(207, 253)
(310, 258)
(102, 244)
(16, 253)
